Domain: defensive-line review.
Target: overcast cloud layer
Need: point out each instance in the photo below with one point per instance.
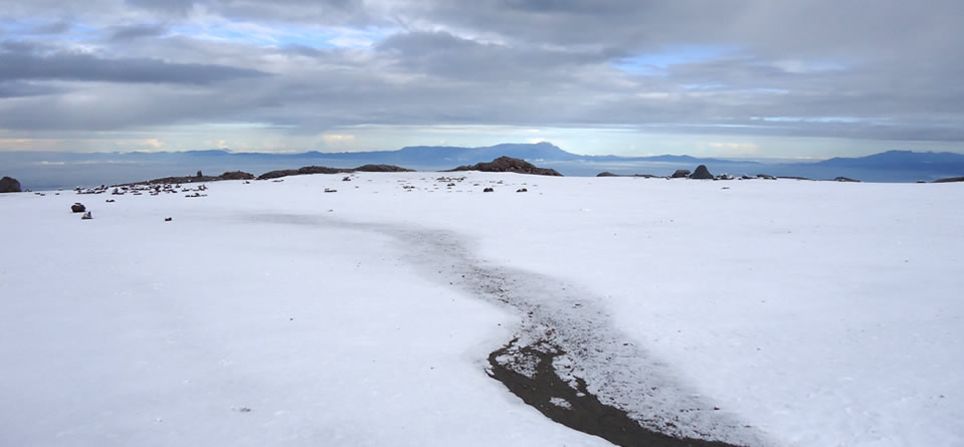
(729, 77)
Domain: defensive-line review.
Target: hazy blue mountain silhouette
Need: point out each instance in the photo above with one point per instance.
(44, 170)
(901, 160)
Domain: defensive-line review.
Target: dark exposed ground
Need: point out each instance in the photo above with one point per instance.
(573, 405)
(624, 393)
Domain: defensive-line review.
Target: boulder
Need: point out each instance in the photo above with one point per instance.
(488, 190)
(78, 208)
(9, 184)
(681, 173)
(701, 173)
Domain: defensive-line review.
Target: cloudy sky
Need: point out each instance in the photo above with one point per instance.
(757, 78)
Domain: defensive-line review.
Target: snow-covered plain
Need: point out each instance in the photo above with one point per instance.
(272, 313)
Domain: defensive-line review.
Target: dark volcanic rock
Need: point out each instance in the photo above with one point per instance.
(326, 170)
(236, 175)
(766, 176)
(846, 179)
(950, 180)
(701, 173)
(199, 178)
(381, 168)
(9, 184)
(681, 173)
(78, 208)
(606, 174)
(302, 171)
(509, 164)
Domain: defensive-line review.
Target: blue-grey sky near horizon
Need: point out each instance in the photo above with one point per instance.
(734, 78)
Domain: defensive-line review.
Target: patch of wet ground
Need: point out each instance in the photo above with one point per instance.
(567, 359)
(571, 404)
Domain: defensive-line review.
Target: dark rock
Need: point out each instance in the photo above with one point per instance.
(950, 180)
(330, 190)
(199, 174)
(846, 179)
(488, 190)
(701, 173)
(681, 173)
(724, 177)
(168, 219)
(9, 184)
(747, 177)
(522, 190)
(110, 200)
(509, 164)
(766, 176)
(606, 174)
(307, 170)
(236, 175)
(78, 208)
(381, 168)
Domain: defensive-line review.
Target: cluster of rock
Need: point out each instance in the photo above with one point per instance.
(138, 189)
(509, 164)
(9, 184)
(701, 173)
(326, 170)
(610, 174)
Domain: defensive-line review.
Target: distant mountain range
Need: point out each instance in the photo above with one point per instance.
(40, 170)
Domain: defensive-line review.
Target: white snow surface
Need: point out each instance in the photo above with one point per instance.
(272, 313)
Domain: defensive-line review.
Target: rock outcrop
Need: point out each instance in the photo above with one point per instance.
(950, 180)
(381, 168)
(701, 173)
(9, 184)
(681, 173)
(509, 164)
(307, 170)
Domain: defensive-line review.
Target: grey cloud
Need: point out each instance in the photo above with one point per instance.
(889, 69)
(128, 32)
(19, 63)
